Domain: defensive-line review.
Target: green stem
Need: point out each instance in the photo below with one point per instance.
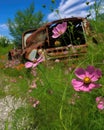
(63, 98)
(44, 75)
(61, 108)
(71, 115)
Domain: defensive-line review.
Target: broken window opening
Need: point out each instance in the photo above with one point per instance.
(74, 35)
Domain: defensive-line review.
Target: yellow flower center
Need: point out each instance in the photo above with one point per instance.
(60, 32)
(87, 80)
(57, 43)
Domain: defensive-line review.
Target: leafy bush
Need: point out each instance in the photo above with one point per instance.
(4, 42)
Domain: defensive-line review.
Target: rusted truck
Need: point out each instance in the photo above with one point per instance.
(59, 39)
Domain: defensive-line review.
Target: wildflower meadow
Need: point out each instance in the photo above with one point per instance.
(55, 95)
(66, 94)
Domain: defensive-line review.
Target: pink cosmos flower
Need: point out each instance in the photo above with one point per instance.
(33, 85)
(36, 103)
(34, 64)
(100, 103)
(59, 30)
(86, 79)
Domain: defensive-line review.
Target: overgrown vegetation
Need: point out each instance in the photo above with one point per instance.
(44, 98)
(60, 106)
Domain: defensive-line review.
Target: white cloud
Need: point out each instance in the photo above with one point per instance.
(1, 35)
(4, 30)
(69, 8)
(3, 27)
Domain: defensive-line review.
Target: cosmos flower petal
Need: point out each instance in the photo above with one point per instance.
(28, 64)
(93, 73)
(39, 60)
(90, 69)
(96, 75)
(100, 103)
(76, 84)
(94, 78)
(55, 35)
(76, 89)
(98, 99)
(80, 73)
(55, 31)
(94, 85)
(100, 106)
(85, 89)
(64, 27)
(59, 30)
(35, 64)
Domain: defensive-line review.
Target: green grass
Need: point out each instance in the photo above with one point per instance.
(55, 93)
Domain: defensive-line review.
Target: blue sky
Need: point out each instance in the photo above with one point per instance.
(66, 8)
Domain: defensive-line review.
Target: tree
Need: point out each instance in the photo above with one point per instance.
(24, 20)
